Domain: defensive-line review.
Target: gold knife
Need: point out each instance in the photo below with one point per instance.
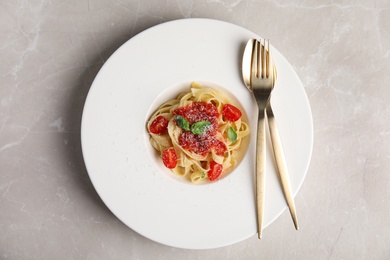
(281, 163)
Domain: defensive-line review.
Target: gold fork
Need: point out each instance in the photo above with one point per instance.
(261, 84)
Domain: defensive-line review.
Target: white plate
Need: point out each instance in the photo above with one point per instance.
(152, 67)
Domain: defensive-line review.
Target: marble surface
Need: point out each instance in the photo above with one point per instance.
(51, 50)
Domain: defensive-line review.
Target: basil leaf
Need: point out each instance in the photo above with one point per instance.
(182, 122)
(203, 175)
(199, 127)
(232, 134)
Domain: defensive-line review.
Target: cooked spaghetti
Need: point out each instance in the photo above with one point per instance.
(199, 134)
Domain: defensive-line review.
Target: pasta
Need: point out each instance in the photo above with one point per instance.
(199, 134)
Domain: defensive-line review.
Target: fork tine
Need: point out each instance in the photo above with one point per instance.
(262, 60)
(263, 54)
(258, 60)
(267, 49)
(271, 67)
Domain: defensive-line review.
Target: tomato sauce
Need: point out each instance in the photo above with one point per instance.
(201, 144)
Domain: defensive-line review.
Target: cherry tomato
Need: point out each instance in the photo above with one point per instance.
(159, 125)
(231, 112)
(215, 171)
(169, 158)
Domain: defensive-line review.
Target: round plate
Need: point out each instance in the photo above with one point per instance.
(153, 67)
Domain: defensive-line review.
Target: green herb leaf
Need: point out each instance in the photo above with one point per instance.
(232, 134)
(199, 127)
(203, 175)
(182, 122)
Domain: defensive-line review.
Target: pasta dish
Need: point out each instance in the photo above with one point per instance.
(199, 134)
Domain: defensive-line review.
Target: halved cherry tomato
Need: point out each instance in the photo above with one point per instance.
(169, 158)
(231, 112)
(159, 125)
(215, 171)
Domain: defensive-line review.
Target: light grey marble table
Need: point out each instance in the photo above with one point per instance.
(51, 50)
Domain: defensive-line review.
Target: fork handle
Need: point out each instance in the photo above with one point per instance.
(281, 163)
(260, 170)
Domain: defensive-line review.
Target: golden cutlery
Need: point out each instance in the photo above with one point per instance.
(275, 139)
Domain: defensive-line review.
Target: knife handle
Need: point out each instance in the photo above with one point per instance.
(281, 163)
